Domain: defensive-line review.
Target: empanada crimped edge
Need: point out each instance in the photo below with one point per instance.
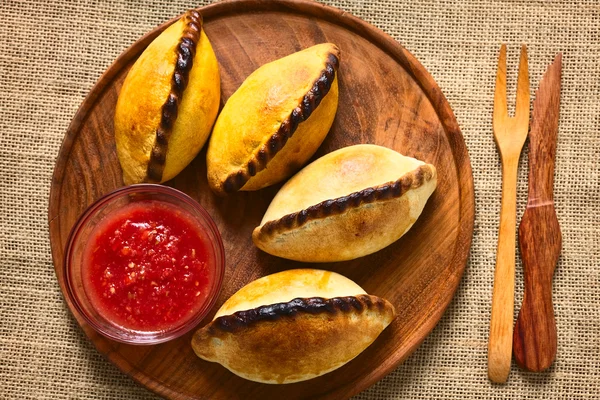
(387, 191)
(186, 50)
(310, 101)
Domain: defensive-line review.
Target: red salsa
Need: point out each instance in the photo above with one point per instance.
(147, 267)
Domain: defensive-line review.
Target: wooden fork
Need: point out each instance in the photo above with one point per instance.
(510, 135)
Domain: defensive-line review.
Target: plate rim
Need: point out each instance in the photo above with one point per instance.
(358, 26)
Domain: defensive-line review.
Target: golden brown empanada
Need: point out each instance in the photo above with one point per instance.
(293, 326)
(347, 204)
(168, 103)
(275, 121)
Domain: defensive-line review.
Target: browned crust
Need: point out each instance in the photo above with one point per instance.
(259, 160)
(186, 50)
(315, 305)
(387, 191)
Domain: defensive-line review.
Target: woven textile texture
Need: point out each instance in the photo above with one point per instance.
(52, 52)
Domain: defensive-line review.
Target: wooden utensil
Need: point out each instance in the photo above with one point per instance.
(534, 340)
(510, 134)
(386, 98)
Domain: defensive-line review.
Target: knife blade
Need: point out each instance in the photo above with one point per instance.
(534, 337)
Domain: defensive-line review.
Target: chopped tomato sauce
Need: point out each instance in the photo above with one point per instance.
(147, 267)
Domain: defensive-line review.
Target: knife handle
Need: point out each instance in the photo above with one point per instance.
(534, 336)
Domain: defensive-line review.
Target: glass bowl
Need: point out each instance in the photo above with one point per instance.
(80, 234)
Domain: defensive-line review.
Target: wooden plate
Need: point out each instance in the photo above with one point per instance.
(386, 98)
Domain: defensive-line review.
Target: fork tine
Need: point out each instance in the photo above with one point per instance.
(500, 108)
(522, 107)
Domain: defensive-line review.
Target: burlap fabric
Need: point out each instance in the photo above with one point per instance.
(52, 52)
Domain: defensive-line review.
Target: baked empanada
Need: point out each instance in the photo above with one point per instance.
(347, 204)
(275, 121)
(168, 103)
(293, 326)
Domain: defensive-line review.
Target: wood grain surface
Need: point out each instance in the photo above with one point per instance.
(386, 98)
(540, 241)
(510, 134)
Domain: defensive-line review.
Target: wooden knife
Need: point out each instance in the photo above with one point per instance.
(534, 337)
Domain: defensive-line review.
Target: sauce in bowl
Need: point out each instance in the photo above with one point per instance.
(144, 264)
(147, 267)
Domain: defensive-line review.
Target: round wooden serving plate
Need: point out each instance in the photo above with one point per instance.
(386, 98)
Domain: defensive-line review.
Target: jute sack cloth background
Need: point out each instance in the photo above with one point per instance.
(52, 52)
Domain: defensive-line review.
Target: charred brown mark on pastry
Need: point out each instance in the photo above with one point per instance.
(186, 50)
(412, 180)
(314, 305)
(301, 113)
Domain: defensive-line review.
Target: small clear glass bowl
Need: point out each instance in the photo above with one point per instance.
(78, 239)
